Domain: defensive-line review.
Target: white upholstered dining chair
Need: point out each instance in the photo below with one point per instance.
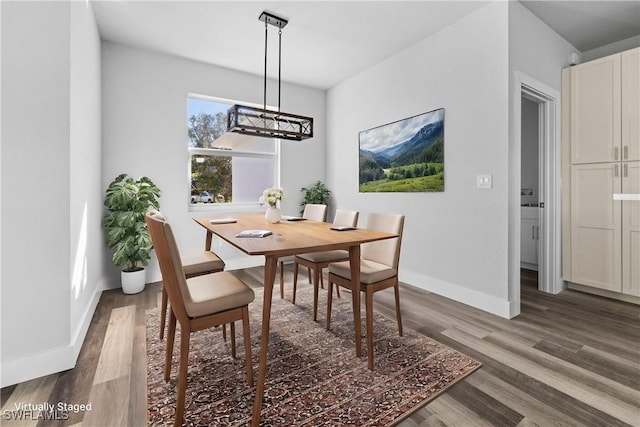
(378, 270)
(312, 212)
(316, 261)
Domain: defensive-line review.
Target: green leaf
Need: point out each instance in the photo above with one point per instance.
(127, 201)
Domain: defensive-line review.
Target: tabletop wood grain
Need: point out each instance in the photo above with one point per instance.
(289, 237)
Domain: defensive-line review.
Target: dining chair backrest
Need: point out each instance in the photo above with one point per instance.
(315, 212)
(387, 251)
(346, 218)
(166, 249)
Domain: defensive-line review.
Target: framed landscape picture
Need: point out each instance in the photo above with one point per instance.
(404, 156)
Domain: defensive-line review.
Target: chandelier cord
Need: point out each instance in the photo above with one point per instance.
(279, 64)
(266, 32)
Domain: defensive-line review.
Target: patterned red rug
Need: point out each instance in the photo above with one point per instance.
(313, 376)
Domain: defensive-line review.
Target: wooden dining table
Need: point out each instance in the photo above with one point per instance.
(290, 237)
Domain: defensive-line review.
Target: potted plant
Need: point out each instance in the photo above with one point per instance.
(318, 193)
(127, 201)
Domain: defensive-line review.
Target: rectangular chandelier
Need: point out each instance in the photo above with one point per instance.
(252, 121)
(266, 123)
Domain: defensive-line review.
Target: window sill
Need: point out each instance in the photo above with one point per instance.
(227, 208)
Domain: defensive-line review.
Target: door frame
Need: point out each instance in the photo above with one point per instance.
(548, 100)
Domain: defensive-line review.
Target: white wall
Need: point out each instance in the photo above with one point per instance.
(86, 235)
(535, 49)
(455, 242)
(145, 133)
(47, 120)
(35, 85)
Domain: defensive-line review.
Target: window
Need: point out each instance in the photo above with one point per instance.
(222, 171)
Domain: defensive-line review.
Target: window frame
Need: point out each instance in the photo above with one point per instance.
(197, 151)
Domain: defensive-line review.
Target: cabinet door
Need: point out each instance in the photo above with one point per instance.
(631, 230)
(630, 113)
(595, 111)
(596, 226)
(529, 241)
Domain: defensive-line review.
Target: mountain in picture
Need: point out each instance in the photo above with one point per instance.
(404, 156)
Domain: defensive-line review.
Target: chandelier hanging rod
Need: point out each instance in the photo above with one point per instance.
(252, 121)
(276, 21)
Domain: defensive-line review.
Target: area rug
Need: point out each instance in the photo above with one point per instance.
(313, 376)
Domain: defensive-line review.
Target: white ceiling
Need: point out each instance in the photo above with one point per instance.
(327, 42)
(589, 24)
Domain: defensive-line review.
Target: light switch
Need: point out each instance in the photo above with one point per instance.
(484, 181)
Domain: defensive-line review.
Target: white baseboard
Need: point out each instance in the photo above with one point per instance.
(528, 266)
(514, 309)
(77, 339)
(54, 360)
(37, 365)
(489, 303)
(243, 262)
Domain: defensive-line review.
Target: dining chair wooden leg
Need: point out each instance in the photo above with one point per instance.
(185, 335)
(170, 338)
(163, 312)
(247, 344)
(295, 281)
(329, 300)
(322, 284)
(396, 290)
(233, 339)
(369, 315)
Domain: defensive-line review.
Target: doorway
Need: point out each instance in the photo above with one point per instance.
(548, 192)
(532, 172)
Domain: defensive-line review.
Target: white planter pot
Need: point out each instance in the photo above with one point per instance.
(133, 281)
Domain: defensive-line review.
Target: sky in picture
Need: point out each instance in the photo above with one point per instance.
(379, 138)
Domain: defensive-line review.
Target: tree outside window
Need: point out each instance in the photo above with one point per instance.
(225, 175)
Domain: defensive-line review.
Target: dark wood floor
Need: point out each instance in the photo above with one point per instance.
(570, 359)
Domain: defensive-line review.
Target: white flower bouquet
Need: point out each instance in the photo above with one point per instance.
(271, 196)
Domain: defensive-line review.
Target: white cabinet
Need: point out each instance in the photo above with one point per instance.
(631, 230)
(630, 112)
(529, 237)
(605, 109)
(596, 226)
(595, 111)
(601, 240)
